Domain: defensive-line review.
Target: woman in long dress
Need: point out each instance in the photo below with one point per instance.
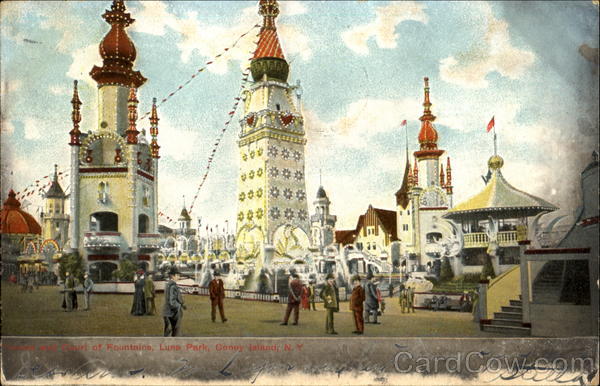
(138, 307)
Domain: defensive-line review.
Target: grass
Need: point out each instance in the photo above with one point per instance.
(39, 314)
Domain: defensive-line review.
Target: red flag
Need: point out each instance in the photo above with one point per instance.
(403, 123)
(490, 125)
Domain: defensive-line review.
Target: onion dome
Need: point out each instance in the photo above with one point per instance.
(268, 58)
(117, 51)
(428, 135)
(499, 199)
(321, 193)
(55, 190)
(14, 220)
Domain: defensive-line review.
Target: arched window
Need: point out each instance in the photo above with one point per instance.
(104, 222)
(143, 224)
(103, 192)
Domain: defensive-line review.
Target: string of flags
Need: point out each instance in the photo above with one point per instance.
(201, 69)
(39, 186)
(230, 116)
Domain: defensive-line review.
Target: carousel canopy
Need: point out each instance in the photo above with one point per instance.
(499, 199)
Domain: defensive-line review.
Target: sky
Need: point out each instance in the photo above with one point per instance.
(531, 65)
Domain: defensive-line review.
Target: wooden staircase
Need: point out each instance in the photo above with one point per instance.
(509, 321)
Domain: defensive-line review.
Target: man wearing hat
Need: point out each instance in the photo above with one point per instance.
(331, 300)
(216, 291)
(371, 301)
(173, 307)
(149, 292)
(356, 305)
(88, 286)
(294, 293)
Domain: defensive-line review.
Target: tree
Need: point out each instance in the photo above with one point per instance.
(125, 271)
(488, 268)
(446, 273)
(72, 263)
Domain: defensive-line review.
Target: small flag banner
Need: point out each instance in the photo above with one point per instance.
(230, 116)
(39, 186)
(201, 69)
(403, 123)
(491, 125)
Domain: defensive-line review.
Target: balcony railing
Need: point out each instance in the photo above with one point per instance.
(101, 240)
(149, 241)
(481, 240)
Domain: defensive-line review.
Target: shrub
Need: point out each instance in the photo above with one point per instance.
(125, 271)
(72, 263)
(446, 273)
(488, 268)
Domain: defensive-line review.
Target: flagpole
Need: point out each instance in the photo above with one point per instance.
(495, 144)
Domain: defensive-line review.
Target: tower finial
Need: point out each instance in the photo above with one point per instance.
(55, 172)
(132, 132)
(427, 115)
(75, 117)
(269, 10)
(154, 130)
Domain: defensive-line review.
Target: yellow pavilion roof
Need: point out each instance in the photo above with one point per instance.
(500, 199)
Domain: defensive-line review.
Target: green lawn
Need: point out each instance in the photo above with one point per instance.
(39, 313)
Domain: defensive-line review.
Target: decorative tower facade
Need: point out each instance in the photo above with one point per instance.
(425, 195)
(322, 223)
(55, 222)
(272, 207)
(113, 168)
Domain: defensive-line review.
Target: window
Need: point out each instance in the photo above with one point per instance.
(278, 107)
(143, 223)
(104, 222)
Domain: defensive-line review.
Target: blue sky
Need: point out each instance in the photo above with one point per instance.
(361, 65)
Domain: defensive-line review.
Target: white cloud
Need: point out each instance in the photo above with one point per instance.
(10, 85)
(57, 89)
(208, 40)
(83, 60)
(492, 53)
(362, 120)
(176, 143)
(383, 28)
(292, 8)
(69, 28)
(32, 128)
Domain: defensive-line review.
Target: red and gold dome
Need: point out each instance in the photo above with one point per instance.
(117, 51)
(14, 220)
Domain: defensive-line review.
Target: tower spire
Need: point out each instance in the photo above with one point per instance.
(268, 57)
(154, 130)
(428, 135)
(448, 177)
(416, 174)
(132, 132)
(75, 117)
(442, 177)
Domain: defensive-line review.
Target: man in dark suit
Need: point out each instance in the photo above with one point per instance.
(216, 291)
(331, 301)
(371, 300)
(295, 291)
(356, 305)
(173, 307)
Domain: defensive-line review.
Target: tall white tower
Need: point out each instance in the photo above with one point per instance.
(272, 207)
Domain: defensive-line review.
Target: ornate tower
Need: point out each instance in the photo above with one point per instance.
(55, 222)
(113, 168)
(322, 223)
(272, 208)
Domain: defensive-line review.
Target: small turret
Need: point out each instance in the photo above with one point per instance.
(132, 132)
(75, 117)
